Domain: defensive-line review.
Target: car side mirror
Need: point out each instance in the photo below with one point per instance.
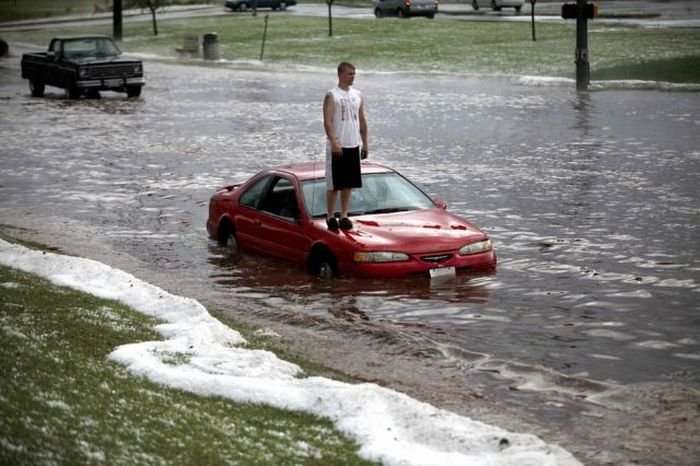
(440, 203)
(51, 55)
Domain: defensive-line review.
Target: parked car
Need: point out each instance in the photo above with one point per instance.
(398, 230)
(83, 65)
(244, 5)
(497, 5)
(405, 8)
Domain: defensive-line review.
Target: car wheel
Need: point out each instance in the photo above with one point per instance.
(378, 13)
(133, 91)
(431, 16)
(227, 236)
(36, 87)
(518, 8)
(401, 13)
(323, 264)
(283, 6)
(475, 5)
(494, 6)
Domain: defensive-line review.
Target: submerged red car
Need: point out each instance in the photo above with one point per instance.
(398, 230)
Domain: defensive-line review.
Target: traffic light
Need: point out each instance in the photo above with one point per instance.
(570, 10)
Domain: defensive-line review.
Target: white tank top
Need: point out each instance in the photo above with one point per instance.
(346, 120)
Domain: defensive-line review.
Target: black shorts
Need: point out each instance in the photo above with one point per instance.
(346, 169)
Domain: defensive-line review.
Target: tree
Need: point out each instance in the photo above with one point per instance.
(152, 5)
(330, 18)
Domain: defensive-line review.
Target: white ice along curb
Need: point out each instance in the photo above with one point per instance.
(389, 426)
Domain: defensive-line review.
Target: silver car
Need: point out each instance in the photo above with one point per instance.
(496, 5)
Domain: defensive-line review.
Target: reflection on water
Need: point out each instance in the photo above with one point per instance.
(591, 198)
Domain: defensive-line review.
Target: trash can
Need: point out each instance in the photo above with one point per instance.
(210, 46)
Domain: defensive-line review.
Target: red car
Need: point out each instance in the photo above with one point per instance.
(397, 229)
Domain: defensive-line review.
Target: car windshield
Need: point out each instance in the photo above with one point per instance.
(90, 47)
(380, 193)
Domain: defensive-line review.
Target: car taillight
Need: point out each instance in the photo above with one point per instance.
(407, 2)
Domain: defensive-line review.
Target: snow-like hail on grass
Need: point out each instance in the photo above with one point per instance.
(201, 355)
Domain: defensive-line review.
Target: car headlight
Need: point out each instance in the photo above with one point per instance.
(83, 72)
(137, 69)
(380, 256)
(476, 248)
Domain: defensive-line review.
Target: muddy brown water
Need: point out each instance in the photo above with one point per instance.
(590, 322)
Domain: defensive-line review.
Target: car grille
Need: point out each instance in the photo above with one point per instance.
(434, 258)
(111, 71)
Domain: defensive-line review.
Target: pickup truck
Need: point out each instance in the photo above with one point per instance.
(83, 65)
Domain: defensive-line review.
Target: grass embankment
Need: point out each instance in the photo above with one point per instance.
(63, 403)
(391, 44)
(15, 10)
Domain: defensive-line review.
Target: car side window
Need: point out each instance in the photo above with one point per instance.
(254, 195)
(281, 199)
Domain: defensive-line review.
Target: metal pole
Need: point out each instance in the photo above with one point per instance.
(262, 48)
(583, 73)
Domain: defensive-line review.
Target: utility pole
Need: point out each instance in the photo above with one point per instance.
(117, 20)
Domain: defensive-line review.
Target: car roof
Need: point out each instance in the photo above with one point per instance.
(314, 170)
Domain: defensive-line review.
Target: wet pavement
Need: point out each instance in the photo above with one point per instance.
(590, 323)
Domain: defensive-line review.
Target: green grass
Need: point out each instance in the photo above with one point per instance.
(62, 402)
(14, 10)
(422, 45)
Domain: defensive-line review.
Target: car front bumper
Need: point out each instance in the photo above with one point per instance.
(416, 267)
(111, 83)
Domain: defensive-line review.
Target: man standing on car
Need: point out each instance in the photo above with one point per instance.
(346, 129)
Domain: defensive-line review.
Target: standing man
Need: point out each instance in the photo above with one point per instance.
(346, 130)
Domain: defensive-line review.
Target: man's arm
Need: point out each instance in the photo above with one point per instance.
(363, 128)
(328, 110)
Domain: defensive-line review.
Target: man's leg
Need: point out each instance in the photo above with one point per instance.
(345, 196)
(331, 197)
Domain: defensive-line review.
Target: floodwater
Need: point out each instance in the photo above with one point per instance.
(591, 198)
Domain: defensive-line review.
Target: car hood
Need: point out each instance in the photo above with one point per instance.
(114, 59)
(414, 232)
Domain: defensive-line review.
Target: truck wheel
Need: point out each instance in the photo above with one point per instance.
(133, 91)
(73, 92)
(475, 5)
(36, 87)
(378, 13)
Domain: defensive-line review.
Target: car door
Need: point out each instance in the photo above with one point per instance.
(281, 229)
(269, 219)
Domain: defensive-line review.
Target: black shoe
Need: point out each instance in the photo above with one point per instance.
(332, 223)
(345, 223)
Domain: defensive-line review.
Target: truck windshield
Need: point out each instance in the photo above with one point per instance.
(90, 47)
